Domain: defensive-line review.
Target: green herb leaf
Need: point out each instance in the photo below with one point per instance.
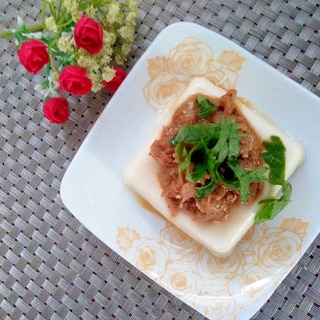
(274, 156)
(234, 142)
(273, 206)
(245, 178)
(276, 160)
(221, 148)
(206, 107)
(196, 156)
(182, 154)
(195, 133)
(204, 191)
(200, 167)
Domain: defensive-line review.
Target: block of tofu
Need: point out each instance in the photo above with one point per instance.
(220, 238)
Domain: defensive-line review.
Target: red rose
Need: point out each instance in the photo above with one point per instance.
(33, 55)
(118, 78)
(88, 34)
(74, 80)
(56, 110)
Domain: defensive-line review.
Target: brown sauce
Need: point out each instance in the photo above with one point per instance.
(252, 106)
(147, 205)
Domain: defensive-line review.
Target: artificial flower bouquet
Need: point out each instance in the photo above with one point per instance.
(81, 44)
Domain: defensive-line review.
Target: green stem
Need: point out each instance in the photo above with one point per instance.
(53, 12)
(6, 33)
(65, 24)
(43, 11)
(48, 72)
(53, 67)
(63, 13)
(52, 44)
(34, 28)
(59, 10)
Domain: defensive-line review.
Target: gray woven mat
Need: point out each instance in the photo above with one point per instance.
(51, 266)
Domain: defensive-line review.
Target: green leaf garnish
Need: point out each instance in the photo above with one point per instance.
(206, 107)
(203, 149)
(209, 154)
(271, 207)
(245, 178)
(204, 191)
(195, 133)
(274, 156)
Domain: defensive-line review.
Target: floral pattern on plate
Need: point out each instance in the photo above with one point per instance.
(196, 276)
(170, 75)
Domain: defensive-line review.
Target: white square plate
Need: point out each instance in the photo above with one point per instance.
(94, 191)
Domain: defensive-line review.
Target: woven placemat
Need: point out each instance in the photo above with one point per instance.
(52, 267)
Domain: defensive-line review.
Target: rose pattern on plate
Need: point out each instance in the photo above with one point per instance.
(184, 247)
(220, 288)
(199, 278)
(170, 75)
(150, 255)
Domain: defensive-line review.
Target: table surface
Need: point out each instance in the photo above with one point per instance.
(51, 266)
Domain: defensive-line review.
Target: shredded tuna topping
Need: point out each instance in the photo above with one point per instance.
(177, 190)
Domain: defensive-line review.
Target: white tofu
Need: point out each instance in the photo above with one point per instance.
(220, 238)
